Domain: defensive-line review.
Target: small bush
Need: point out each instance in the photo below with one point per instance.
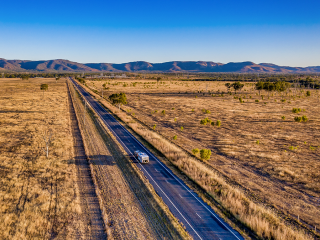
(296, 110)
(256, 100)
(208, 112)
(172, 108)
(195, 151)
(192, 110)
(175, 137)
(218, 123)
(203, 122)
(283, 100)
(258, 142)
(240, 100)
(175, 119)
(283, 118)
(298, 119)
(203, 110)
(308, 93)
(292, 148)
(181, 128)
(154, 127)
(304, 118)
(205, 154)
(212, 123)
(163, 112)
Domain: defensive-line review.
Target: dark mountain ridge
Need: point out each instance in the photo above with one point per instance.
(61, 65)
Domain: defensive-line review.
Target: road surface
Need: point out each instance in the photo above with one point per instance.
(200, 220)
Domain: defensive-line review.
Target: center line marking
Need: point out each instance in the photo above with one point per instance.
(180, 196)
(198, 215)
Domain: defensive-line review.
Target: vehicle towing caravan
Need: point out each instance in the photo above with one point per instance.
(141, 156)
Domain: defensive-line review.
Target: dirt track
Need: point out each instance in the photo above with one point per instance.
(91, 212)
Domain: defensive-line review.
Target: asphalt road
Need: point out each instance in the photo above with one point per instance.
(199, 219)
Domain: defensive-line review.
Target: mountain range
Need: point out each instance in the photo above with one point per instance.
(61, 65)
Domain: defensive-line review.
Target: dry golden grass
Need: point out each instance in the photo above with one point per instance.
(38, 196)
(286, 179)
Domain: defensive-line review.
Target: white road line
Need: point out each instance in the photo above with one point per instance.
(198, 215)
(180, 196)
(175, 177)
(148, 174)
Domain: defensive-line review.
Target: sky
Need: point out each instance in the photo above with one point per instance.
(281, 32)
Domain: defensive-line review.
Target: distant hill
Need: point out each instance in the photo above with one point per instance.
(61, 65)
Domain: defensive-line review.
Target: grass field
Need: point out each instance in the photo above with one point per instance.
(275, 159)
(38, 195)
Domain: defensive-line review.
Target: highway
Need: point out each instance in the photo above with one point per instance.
(200, 220)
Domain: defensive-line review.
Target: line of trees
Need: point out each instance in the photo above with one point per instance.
(279, 86)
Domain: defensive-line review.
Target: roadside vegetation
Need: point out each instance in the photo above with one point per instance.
(262, 161)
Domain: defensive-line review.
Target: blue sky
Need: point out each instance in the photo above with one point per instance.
(280, 32)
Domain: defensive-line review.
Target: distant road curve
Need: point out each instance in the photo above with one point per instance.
(199, 219)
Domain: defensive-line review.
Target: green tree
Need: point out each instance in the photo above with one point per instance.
(205, 154)
(195, 151)
(118, 99)
(259, 86)
(158, 80)
(44, 87)
(237, 86)
(228, 85)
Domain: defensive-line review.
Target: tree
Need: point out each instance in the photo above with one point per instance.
(228, 85)
(259, 86)
(158, 80)
(118, 99)
(195, 151)
(44, 87)
(205, 154)
(237, 86)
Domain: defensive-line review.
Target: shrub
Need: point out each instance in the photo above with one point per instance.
(192, 110)
(175, 137)
(258, 142)
(156, 111)
(203, 110)
(262, 97)
(304, 118)
(175, 119)
(283, 118)
(195, 151)
(205, 154)
(218, 123)
(154, 126)
(283, 100)
(292, 148)
(203, 122)
(181, 128)
(163, 112)
(240, 100)
(296, 110)
(308, 93)
(209, 120)
(208, 112)
(196, 96)
(256, 100)
(212, 123)
(298, 119)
